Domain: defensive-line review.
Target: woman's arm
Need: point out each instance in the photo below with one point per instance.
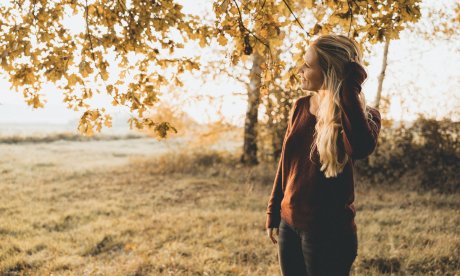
(360, 134)
(274, 202)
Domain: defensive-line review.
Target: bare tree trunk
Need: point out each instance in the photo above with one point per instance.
(270, 116)
(250, 124)
(382, 73)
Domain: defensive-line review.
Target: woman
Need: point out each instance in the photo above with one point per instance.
(311, 204)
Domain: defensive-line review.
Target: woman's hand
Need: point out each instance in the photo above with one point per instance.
(270, 234)
(354, 72)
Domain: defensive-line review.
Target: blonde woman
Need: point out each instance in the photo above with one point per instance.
(311, 204)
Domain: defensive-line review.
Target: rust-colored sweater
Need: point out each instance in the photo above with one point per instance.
(301, 193)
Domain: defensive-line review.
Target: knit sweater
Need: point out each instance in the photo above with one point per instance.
(301, 193)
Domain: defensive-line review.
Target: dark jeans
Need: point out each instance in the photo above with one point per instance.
(301, 253)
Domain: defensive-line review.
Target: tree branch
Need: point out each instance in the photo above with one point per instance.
(295, 17)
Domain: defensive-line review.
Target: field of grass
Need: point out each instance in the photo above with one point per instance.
(68, 211)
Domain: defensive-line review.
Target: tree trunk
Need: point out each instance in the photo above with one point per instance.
(250, 124)
(382, 73)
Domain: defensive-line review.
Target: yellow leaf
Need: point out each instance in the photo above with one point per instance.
(263, 33)
(72, 80)
(91, 9)
(89, 130)
(109, 88)
(263, 89)
(94, 115)
(36, 102)
(202, 42)
(108, 121)
(222, 40)
(105, 75)
(234, 9)
(267, 75)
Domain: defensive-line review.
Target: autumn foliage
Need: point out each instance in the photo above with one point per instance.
(37, 47)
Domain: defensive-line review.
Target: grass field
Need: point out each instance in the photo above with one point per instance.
(95, 208)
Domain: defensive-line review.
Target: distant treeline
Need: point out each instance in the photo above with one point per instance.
(48, 138)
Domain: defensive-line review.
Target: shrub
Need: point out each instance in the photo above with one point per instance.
(428, 149)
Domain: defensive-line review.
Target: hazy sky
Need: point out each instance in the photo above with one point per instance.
(416, 70)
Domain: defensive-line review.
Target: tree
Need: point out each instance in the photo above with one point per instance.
(261, 27)
(36, 48)
(382, 73)
(443, 23)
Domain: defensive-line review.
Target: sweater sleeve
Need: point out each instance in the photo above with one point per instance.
(274, 202)
(360, 132)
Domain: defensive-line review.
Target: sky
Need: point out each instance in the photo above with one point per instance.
(417, 71)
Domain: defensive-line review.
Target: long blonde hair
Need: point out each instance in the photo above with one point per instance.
(334, 52)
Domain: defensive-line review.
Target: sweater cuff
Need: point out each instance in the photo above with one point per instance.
(273, 221)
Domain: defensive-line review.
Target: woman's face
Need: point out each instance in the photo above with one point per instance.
(310, 72)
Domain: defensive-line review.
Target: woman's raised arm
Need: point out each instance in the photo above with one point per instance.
(360, 134)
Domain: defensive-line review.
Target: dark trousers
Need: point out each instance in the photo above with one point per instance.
(326, 254)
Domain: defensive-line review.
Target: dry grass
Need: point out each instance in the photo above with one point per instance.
(196, 214)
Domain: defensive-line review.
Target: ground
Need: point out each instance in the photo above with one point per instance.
(113, 208)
